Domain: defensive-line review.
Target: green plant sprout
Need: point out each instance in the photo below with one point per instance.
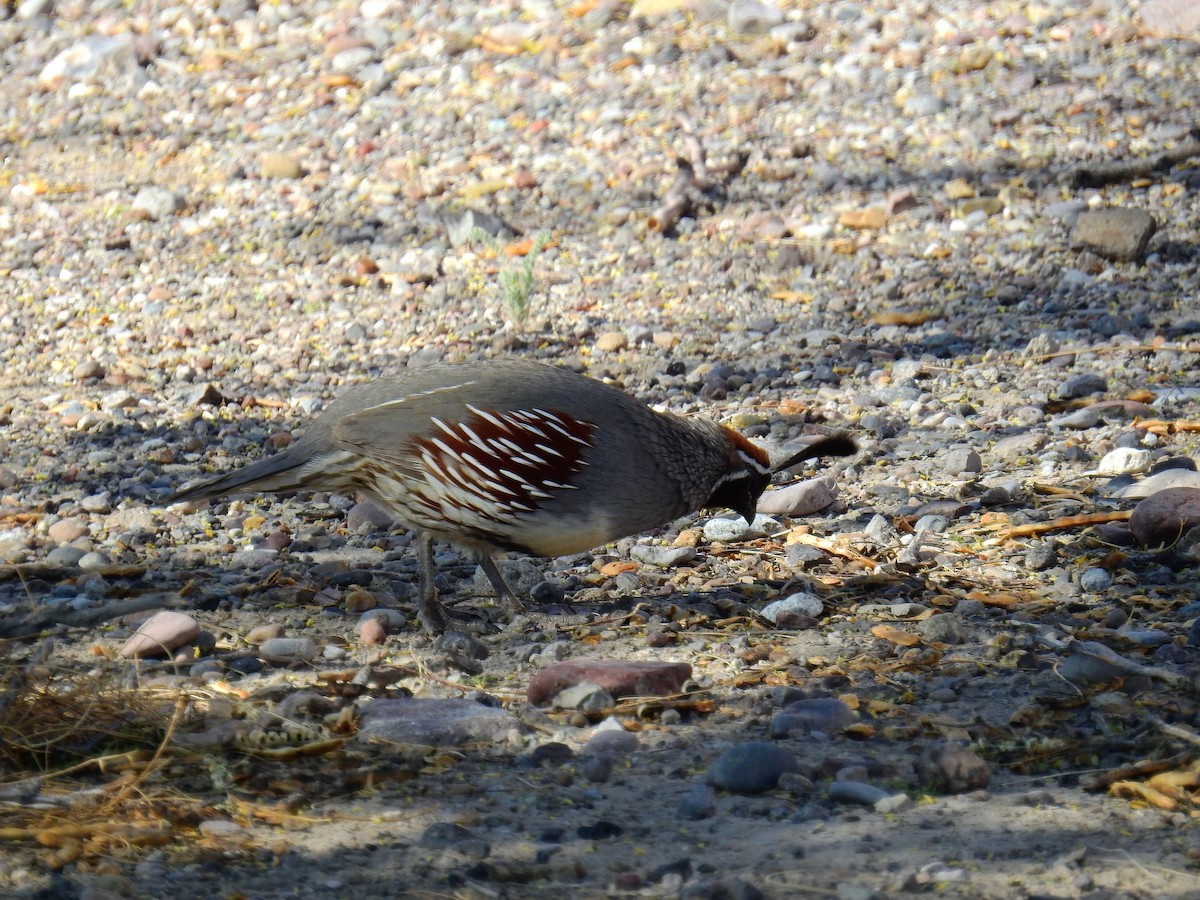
(516, 283)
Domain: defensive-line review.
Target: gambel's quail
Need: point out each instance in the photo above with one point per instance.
(514, 455)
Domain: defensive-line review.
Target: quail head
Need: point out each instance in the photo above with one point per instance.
(514, 455)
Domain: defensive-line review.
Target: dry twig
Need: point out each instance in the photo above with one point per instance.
(45, 617)
(695, 176)
(1007, 533)
(1175, 731)
(1129, 170)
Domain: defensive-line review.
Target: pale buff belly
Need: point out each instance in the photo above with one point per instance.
(462, 520)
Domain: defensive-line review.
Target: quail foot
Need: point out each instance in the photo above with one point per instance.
(514, 455)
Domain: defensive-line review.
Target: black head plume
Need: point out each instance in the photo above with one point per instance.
(840, 444)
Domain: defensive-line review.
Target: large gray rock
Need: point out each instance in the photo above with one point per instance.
(1163, 518)
(1117, 233)
(436, 723)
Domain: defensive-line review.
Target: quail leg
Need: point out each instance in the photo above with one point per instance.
(504, 593)
(429, 608)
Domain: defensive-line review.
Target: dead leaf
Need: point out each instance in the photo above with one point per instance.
(523, 248)
(1176, 783)
(1137, 791)
(791, 407)
(895, 635)
(859, 730)
(314, 748)
(1162, 428)
(616, 567)
(906, 318)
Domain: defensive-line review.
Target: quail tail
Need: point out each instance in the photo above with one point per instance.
(274, 474)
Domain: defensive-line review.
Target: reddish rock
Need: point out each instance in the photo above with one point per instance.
(261, 633)
(372, 632)
(66, 530)
(160, 634)
(953, 769)
(621, 678)
(1163, 518)
(800, 499)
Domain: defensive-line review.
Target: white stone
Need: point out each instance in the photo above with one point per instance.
(1125, 461)
(803, 603)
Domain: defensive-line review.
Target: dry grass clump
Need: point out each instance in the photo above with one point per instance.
(75, 753)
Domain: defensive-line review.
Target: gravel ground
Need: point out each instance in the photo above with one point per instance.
(964, 232)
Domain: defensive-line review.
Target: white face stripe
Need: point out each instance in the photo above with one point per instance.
(730, 476)
(752, 463)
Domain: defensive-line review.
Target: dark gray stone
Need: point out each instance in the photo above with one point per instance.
(438, 723)
(752, 768)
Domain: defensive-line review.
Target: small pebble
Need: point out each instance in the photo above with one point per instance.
(280, 165)
(962, 460)
(751, 768)
(1094, 579)
(611, 341)
(856, 792)
(260, 633)
(805, 604)
(699, 802)
(662, 557)
(1083, 385)
(893, 803)
(944, 628)
(286, 650)
(371, 632)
